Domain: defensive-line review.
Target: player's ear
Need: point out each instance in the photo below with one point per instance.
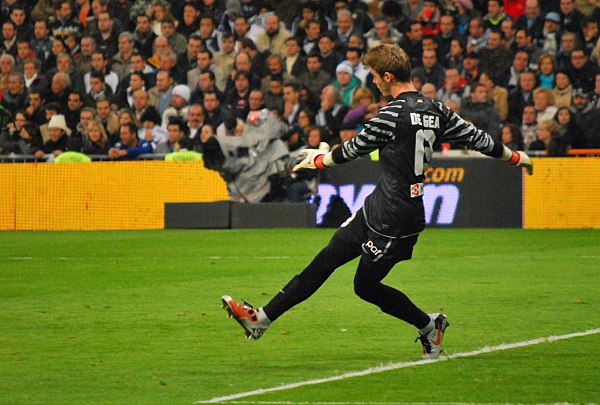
(388, 77)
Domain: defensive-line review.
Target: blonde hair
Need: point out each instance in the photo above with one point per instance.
(552, 126)
(97, 124)
(361, 92)
(549, 94)
(132, 116)
(389, 58)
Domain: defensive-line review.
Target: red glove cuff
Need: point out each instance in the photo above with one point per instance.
(514, 159)
(319, 162)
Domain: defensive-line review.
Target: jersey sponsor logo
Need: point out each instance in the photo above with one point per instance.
(416, 190)
(370, 246)
(424, 120)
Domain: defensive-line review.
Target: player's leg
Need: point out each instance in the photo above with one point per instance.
(343, 247)
(379, 257)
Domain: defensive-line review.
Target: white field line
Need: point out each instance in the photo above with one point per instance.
(66, 258)
(396, 366)
(391, 403)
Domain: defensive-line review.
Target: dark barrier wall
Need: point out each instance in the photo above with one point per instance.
(459, 192)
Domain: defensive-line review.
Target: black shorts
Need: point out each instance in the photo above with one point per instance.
(375, 247)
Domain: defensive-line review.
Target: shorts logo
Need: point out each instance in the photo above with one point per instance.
(372, 248)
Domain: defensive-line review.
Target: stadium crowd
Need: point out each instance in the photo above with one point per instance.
(125, 78)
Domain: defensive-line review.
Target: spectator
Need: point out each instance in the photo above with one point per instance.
(64, 23)
(382, 30)
(546, 75)
(495, 15)
(444, 38)
(84, 60)
(100, 64)
(179, 105)
(121, 62)
(35, 109)
(291, 103)
(243, 29)
(570, 17)
(189, 23)
(455, 87)
(99, 90)
(41, 43)
(329, 56)
(275, 67)
(354, 57)
(160, 95)
(15, 98)
(238, 100)
(363, 107)
(177, 41)
(524, 43)
(431, 71)
(429, 90)
(223, 61)
(144, 35)
(454, 59)
(547, 139)
(494, 57)
(543, 101)
(274, 96)
(471, 69)
(7, 67)
(73, 111)
(529, 126)
(129, 146)
(215, 113)
(60, 89)
(563, 90)
(412, 44)
(313, 33)
(521, 96)
(196, 120)
(477, 39)
(430, 18)
(464, 11)
(512, 137)
(294, 61)
(209, 34)
(86, 115)
(58, 133)
(206, 82)
(596, 94)
(508, 28)
(10, 136)
(30, 141)
(314, 79)
(345, 28)
(107, 117)
(137, 81)
(583, 72)
(332, 111)
(481, 112)
(274, 37)
(568, 42)
(532, 21)
(551, 34)
(589, 33)
(107, 37)
(569, 132)
(176, 131)
(310, 11)
(95, 141)
(346, 83)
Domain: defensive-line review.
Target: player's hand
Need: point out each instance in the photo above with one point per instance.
(309, 159)
(523, 160)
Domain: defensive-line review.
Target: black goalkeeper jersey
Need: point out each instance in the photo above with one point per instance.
(404, 131)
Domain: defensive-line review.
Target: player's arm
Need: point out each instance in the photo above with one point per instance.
(464, 133)
(377, 132)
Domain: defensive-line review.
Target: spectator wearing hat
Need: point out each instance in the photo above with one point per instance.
(582, 71)
(551, 35)
(346, 83)
(533, 20)
(58, 134)
(471, 69)
(580, 102)
(587, 117)
(180, 100)
(130, 145)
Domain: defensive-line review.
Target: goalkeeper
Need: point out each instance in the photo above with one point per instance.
(387, 227)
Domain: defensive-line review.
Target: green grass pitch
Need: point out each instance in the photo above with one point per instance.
(134, 318)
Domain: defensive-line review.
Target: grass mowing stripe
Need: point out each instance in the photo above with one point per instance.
(396, 366)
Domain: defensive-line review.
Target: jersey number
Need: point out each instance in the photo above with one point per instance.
(423, 150)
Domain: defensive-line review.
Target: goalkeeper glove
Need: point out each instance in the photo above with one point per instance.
(314, 158)
(518, 158)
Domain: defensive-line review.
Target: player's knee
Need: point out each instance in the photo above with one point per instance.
(366, 289)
